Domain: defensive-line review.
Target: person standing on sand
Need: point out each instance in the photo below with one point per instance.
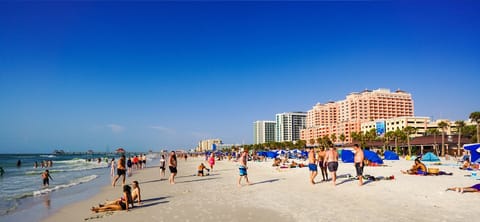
(121, 171)
(112, 167)
(162, 166)
(321, 161)
(211, 161)
(312, 165)
(358, 160)
(331, 161)
(172, 165)
(243, 168)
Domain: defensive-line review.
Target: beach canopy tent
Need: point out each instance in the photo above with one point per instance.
(271, 154)
(390, 155)
(304, 153)
(347, 156)
(261, 153)
(430, 157)
(281, 152)
(372, 157)
(474, 151)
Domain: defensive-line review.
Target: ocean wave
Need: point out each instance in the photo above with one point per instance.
(49, 156)
(62, 186)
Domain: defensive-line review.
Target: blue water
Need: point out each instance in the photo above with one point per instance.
(22, 186)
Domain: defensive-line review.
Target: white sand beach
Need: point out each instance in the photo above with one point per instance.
(286, 195)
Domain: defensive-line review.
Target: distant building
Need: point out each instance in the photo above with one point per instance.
(289, 125)
(346, 116)
(207, 145)
(263, 131)
(420, 124)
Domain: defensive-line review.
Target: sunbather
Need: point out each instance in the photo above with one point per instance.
(121, 204)
(474, 188)
(418, 168)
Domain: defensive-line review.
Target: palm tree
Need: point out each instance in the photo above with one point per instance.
(460, 124)
(388, 137)
(409, 131)
(475, 117)
(399, 136)
(434, 132)
(320, 141)
(443, 126)
(333, 137)
(342, 138)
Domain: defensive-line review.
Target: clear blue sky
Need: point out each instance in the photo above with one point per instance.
(156, 75)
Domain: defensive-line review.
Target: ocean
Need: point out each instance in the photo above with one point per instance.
(22, 190)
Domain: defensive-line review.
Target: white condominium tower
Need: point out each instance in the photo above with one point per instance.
(289, 126)
(263, 131)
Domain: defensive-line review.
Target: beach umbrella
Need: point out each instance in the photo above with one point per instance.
(281, 152)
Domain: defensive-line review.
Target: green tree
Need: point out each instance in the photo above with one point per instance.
(319, 141)
(475, 117)
(434, 132)
(460, 125)
(301, 144)
(409, 131)
(443, 127)
(389, 136)
(312, 141)
(333, 137)
(399, 136)
(342, 138)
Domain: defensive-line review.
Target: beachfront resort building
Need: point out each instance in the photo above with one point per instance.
(420, 124)
(346, 116)
(289, 125)
(263, 131)
(208, 145)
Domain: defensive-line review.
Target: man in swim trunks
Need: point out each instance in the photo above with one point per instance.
(358, 160)
(121, 171)
(321, 159)
(312, 165)
(243, 168)
(331, 161)
(172, 166)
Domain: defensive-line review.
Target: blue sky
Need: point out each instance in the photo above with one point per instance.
(163, 75)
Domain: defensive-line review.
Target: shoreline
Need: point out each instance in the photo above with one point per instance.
(284, 195)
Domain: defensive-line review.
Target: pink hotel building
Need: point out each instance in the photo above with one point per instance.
(346, 116)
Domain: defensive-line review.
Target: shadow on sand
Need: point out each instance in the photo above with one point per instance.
(154, 201)
(266, 181)
(198, 180)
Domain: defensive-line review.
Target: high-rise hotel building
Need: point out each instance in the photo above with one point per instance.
(346, 116)
(263, 131)
(289, 126)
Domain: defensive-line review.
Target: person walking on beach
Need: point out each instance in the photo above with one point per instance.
(243, 168)
(331, 161)
(358, 160)
(321, 161)
(121, 171)
(211, 161)
(112, 167)
(172, 165)
(162, 166)
(46, 178)
(312, 165)
(129, 166)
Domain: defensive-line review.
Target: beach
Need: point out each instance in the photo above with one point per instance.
(286, 195)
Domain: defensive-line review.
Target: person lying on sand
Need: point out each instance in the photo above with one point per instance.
(474, 188)
(466, 165)
(418, 168)
(276, 162)
(121, 204)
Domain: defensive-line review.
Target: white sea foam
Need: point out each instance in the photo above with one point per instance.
(62, 186)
